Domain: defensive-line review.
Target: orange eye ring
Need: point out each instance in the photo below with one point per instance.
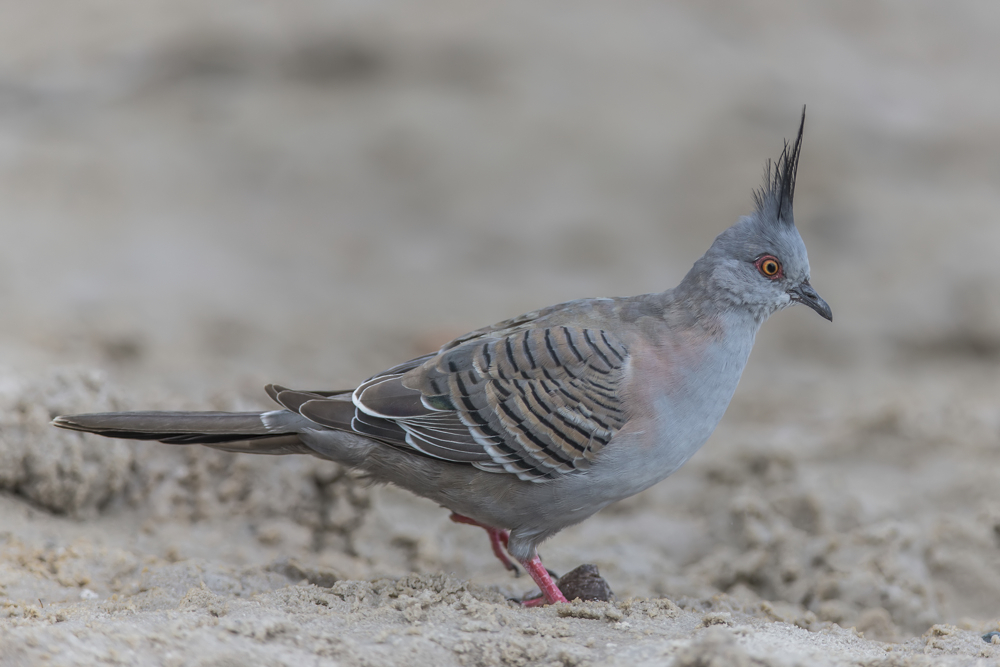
(769, 267)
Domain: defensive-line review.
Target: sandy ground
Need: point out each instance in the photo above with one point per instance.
(198, 199)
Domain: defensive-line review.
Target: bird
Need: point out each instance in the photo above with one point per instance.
(537, 422)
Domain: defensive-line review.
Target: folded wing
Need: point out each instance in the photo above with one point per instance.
(537, 403)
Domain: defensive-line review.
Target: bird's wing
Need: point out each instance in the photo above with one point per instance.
(537, 403)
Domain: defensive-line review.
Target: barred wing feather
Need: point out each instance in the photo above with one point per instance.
(537, 403)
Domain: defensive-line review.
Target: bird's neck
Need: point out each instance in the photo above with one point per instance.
(708, 301)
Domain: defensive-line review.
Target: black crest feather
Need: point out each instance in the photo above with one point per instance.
(774, 199)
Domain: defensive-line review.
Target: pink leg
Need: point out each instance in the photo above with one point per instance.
(498, 540)
(550, 592)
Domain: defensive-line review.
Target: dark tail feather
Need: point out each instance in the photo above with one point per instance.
(228, 431)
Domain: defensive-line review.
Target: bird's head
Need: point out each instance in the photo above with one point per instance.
(760, 263)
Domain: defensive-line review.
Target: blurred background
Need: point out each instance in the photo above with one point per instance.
(310, 191)
(198, 198)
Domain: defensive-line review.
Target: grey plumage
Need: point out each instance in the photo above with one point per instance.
(537, 422)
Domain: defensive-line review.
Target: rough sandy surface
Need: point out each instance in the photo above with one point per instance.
(198, 199)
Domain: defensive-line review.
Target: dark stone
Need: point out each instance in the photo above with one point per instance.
(585, 583)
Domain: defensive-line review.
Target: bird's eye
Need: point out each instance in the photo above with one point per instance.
(769, 266)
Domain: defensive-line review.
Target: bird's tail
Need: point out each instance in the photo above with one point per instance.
(250, 432)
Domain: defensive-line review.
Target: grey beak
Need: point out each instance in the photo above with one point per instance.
(804, 293)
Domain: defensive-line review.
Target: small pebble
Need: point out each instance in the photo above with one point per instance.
(586, 583)
(992, 637)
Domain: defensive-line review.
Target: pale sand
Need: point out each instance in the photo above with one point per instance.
(196, 201)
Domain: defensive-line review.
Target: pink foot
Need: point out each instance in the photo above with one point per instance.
(550, 592)
(498, 541)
